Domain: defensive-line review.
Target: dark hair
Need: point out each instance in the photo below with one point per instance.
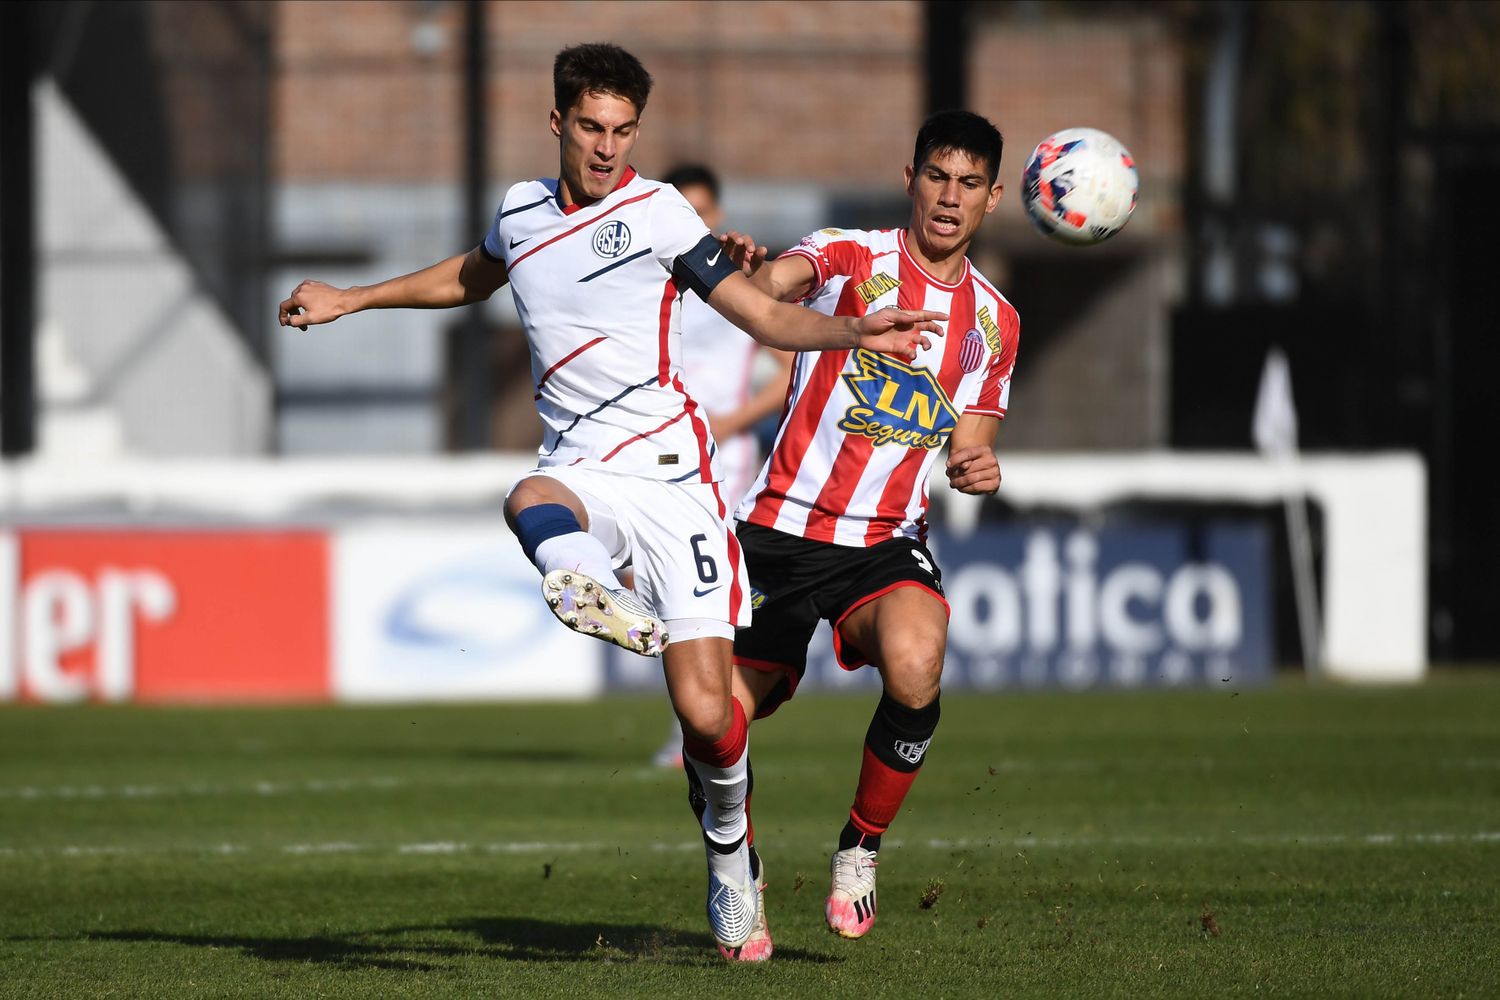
(693, 175)
(960, 132)
(598, 68)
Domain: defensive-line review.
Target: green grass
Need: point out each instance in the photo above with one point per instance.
(1340, 842)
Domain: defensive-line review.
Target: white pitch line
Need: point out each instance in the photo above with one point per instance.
(1008, 844)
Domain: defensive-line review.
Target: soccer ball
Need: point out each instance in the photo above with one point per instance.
(1079, 186)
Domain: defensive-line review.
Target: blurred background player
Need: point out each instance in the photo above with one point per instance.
(726, 373)
(834, 526)
(633, 480)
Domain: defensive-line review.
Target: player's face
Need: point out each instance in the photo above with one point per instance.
(951, 194)
(704, 203)
(595, 136)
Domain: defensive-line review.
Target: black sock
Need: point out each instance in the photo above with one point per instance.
(852, 836)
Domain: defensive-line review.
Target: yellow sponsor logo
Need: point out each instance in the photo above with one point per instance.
(831, 232)
(869, 291)
(897, 404)
(990, 328)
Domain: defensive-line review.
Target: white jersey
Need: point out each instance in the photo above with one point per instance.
(718, 359)
(595, 292)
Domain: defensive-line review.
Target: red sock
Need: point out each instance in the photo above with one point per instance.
(879, 795)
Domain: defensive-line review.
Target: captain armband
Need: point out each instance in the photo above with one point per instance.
(703, 267)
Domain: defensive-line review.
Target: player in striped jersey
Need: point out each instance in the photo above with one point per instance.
(834, 526)
(598, 259)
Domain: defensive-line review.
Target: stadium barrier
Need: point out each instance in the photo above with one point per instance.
(362, 580)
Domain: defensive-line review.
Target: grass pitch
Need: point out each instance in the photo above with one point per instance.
(1300, 840)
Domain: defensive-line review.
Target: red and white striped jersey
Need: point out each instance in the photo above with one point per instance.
(861, 430)
(595, 292)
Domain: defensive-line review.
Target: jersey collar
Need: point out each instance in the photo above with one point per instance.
(625, 178)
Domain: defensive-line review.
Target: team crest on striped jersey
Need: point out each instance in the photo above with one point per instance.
(971, 351)
(897, 403)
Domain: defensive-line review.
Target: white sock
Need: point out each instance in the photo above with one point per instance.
(581, 552)
(725, 787)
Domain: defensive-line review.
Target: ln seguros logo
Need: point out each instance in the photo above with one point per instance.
(897, 404)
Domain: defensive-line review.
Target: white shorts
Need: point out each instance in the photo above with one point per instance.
(686, 559)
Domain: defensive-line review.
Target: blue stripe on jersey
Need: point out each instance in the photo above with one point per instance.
(619, 263)
(688, 475)
(525, 208)
(601, 407)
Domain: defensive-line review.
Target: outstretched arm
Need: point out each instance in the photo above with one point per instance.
(457, 281)
(972, 466)
(898, 332)
(785, 279)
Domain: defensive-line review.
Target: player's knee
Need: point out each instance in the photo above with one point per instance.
(534, 491)
(913, 671)
(705, 719)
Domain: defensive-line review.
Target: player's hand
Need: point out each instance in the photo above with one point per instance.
(974, 470)
(747, 255)
(311, 303)
(899, 332)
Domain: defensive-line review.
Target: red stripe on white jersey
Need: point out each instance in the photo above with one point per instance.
(664, 329)
(582, 225)
(700, 431)
(571, 355)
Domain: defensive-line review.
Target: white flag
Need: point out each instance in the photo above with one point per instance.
(1274, 426)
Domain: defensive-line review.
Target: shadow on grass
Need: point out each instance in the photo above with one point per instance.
(511, 939)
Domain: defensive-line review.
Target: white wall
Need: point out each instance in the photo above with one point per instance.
(134, 357)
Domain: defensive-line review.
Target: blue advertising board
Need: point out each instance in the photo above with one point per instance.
(1062, 604)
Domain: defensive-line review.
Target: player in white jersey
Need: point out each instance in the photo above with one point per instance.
(598, 259)
(719, 367)
(833, 529)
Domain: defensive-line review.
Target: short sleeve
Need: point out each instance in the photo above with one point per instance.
(832, 252)
(492, 247)
(675, 227)
(994, 391)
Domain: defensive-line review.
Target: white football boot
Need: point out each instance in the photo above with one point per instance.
(733, 898)
(851, 899)
(757, 947)
(585, 605)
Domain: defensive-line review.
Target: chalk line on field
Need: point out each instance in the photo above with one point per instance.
(1008, 844)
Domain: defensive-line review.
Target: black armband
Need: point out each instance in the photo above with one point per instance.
(703, 267)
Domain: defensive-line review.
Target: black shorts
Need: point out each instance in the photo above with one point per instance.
(794, 582)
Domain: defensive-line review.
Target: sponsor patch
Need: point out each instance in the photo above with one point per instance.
(869, 291)
(666, 459)
(896, 403)
(990, 328)
(757, 598)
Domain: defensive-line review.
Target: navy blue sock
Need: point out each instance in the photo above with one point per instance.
(535, 525)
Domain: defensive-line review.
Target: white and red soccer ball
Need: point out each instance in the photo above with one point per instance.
(1079, 186)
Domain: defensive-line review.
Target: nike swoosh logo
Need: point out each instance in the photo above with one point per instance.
(715, 258)
(515, 243)
(704, 593)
